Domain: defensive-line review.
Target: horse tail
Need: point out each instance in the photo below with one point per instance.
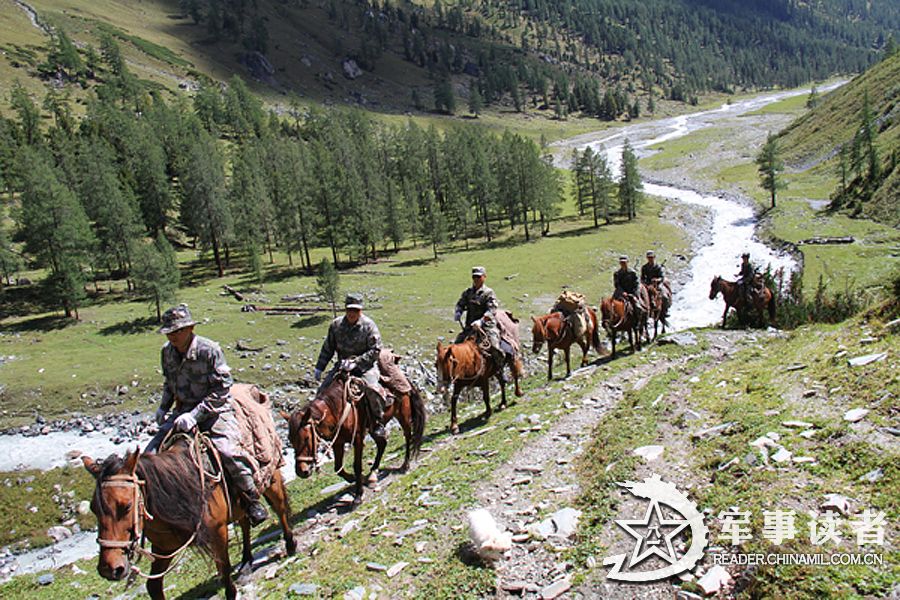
(417, 408)
(595, 332)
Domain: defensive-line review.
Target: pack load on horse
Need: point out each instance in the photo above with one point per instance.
(198, 386)
(361, 394)
(748, 292)
(334, 418)
(488, 342)
(570, 320)
(659, 292)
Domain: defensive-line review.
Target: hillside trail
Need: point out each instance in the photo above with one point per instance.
(537, 481)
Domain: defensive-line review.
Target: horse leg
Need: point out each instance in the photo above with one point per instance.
(585, 348)
(724, 315)
(454, 427)
(404, 415)
(219, 547)
(155, 586)
(486, 396)
(612, 338)
(550, 362)
(358, 468)
(339, 464)
(380, 445)
(246, 553)
(277, 498)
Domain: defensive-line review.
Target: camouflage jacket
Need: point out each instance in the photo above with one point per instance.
(361, 341)
(650, 272)
(625, 281)
(199, 379)
(476, 303)
(748, 272)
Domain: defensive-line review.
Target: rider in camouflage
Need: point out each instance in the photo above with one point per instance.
(356, 341)
(746, 278)
(481, 305)
(198, 384)
(650, 270)
(626, 284)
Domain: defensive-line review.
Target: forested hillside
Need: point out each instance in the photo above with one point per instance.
(854, 132)
(606, 58)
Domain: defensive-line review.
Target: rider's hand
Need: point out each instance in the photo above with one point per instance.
(185, 422)
(348, 364)
(161, 415)
(317, 373)
(476, 324)
(457, 315)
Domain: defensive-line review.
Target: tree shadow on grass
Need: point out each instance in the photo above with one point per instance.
(310, 321)
(42, 324)
(138, 325)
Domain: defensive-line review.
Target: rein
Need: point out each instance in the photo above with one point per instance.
(139, 512)
(314, 425)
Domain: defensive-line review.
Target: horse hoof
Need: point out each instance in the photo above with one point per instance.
(487, 415)
(404, 468)
(373, 478)
(519, 393)
(357, 500)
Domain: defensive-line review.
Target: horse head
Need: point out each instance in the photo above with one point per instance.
(537, 334)
(313, 422)
(714, 287)
(119, 507)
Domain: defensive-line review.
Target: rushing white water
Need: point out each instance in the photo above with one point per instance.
(46, 452)
(733, 223)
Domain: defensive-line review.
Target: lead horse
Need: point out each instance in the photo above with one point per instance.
(660, 299)
(464, 365)
(734, 298)
(170, 499)
(616, 316)
(557, 332)
(333, 419)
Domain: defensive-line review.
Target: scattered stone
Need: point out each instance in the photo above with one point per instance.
(808, 434)
(420, 547)
(713, 431)
(781, 455)
(798, 424)
(855, 415)
(348, 527)
(59, 533)
(649, 453)
(891, 430)
(715, 580)
(521, 538)
(514, 587)
(867, 340)
(873, 476)
(357, 593)
(690, 415)
(522, 481)
(84, 507)
(809, 393)
(861, 361)
(73, 454)
(773, 436)
(336, 487)
(529, 469)
(46, 579)
(396, 568)
(836, 502)
(685, 338)
(694, 379)
(351, 69)
(683, 595)
(895, 324)
(795, 367)
(562, 523)
(801, 460)
(556, 589)
(303, 589)
(377, 567)
(763, 442)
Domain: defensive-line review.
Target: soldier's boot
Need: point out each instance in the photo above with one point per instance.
(376, 412)
(242, 479)
(499, 358)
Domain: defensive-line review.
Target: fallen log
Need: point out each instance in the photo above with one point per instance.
(285, 310)
(828, 240)
(237, 295)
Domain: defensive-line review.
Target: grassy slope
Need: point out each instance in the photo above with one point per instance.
(755, 391)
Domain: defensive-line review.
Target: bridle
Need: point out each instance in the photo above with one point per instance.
(316, 437)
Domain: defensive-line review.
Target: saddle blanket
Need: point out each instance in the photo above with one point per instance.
(259, 440)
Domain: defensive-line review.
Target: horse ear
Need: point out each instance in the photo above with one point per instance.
(284, 415)
(440, 347)
(131, 461)
(91, 465)
(533, 319)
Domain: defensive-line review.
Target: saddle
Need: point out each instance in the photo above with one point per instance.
(574, 307)
(392, 378)
(260, 442)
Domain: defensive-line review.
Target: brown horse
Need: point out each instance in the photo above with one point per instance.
(616, 316)
(660, 299)
(333, 419)
(731, 292)
(169, 499)
(464, 365)
(558, 333)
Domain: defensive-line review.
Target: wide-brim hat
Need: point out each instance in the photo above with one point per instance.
(478, 271)
(353, 301)
(175, 318)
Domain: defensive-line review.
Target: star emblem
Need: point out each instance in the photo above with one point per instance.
(658, 537)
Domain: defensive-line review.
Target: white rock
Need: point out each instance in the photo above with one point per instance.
(798, 424)
(348, 527)
(715, 580)
(763, 442)
(855, 414)
(861, 361)
(781, 455)
(649, 453)
(836, 502)
(396, 568)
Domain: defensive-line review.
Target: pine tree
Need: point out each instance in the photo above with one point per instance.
(155, 271)
(629, 182)
(328, 284)
(812, 100)
(475, 101)
(248, 202)
(28, 113)
(10, 260)
(770, 166)
(867, 153)
(205, 207)
(55, 228)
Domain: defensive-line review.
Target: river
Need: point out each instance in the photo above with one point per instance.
(733, 223)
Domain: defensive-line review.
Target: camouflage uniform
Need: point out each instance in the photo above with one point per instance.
(745, 281)
(199, 382)
(650, 272)
(626, 284)
(361, 343)
(479, 305)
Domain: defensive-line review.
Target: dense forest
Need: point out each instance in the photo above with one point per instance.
(105, 194)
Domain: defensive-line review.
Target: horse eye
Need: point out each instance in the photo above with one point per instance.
(123, 510)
